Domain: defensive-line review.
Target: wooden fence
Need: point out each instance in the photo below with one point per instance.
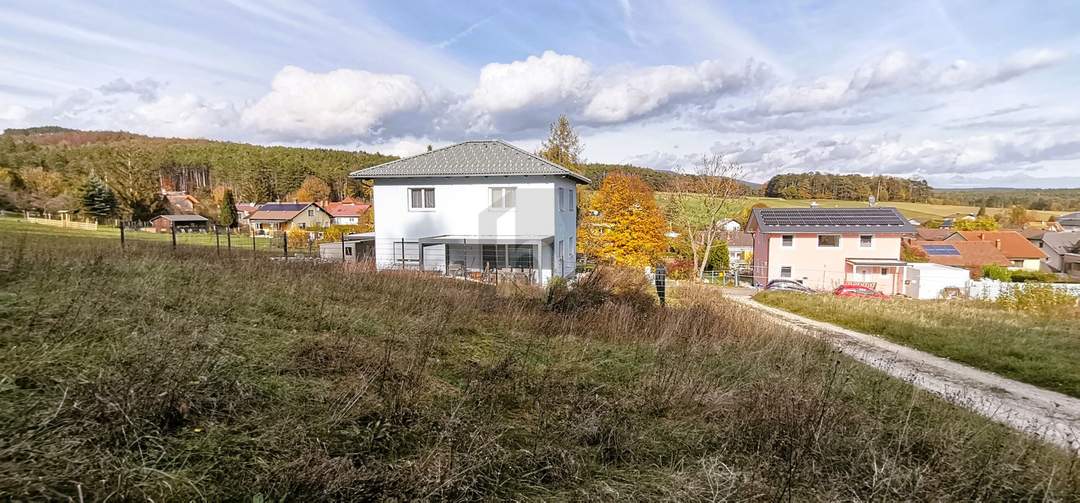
(62, 222)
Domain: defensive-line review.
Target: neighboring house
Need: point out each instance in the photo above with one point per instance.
(1045, 226)
(346, 212)
(182, 223)
(971, 255)
(928, 234)
(1020, 252)
(730, 225)
(181, 202)
(244, 212)
(474, 208)
(1070, 222)
(1062, 252)
(1034, 235)
(273, 218)
(826, 247)
(740, 246)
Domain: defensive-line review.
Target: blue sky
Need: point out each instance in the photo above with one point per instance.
(959, 93)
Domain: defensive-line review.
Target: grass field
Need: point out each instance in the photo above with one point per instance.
(918, 211)
(182, 375)
(1039, 348)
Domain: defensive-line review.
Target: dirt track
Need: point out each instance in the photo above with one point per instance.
(1047, 414)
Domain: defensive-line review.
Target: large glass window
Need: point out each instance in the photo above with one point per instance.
(503, 256)
(503, 197)
(828, 241)
(420, 199)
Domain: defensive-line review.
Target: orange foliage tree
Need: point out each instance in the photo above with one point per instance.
(313, 189)
(623, 225)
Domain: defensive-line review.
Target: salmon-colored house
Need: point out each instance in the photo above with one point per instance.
(823, 248)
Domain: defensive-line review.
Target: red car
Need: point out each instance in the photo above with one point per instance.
(863, 292)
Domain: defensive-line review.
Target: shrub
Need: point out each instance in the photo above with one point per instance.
(1031, 276)
(680, 269)
(1036, 297)
(616, 285)
(997, 272)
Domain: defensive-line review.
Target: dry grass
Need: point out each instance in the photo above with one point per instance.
(186, 376)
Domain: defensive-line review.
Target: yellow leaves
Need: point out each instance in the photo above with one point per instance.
(623, 225)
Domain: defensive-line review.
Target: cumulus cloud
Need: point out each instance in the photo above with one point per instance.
(13, 112)
(336, 106)
(643, 91)
(513, 95)
(146, 89)
(184, 115)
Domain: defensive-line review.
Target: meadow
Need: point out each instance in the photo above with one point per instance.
(1037, 347)
(184, 375)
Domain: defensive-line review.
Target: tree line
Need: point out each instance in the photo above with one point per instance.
(51, 169)
(847, 187)
(1032, 199)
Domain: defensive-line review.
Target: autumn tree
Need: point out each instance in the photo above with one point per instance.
(563, 146)
(623, 225)
(97, 198)
(701, 203)
(312, 189)
(1018, 216)
(227, 214)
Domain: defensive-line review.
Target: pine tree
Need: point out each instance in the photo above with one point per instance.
(563, 146)
(227, 214)
(97, 198)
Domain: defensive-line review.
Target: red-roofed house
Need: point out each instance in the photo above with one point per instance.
(1020, 252)
(971, 255)
(347, 212)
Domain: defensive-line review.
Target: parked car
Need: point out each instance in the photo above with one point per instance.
(787, 285)
(860, 291)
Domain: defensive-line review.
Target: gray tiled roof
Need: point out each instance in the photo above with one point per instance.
(184, 218)
(818, 220)
(471, 158)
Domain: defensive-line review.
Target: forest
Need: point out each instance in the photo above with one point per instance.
(47, 169)
(1032, 199)
(847, 187)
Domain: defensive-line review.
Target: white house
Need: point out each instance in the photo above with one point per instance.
(474, 209)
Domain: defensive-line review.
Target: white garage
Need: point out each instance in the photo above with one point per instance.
(927, 281)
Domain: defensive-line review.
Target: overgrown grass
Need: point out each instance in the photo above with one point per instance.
(178, 376)
(1040, 347)
(110, 236)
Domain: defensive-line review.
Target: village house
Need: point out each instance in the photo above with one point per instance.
(826, 247)
(273, 218)
(180, 202)
(1070, 222)
(970, 255)
(181, 223)
(476, 209)
(346, 212)
(1020, 252)
(244, 212)
(1062, 253)
(740, 246)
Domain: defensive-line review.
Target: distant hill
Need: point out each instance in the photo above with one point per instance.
(1032, 199)
(658, 179)
(44, 168)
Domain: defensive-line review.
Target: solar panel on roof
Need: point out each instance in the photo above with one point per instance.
(940, 250)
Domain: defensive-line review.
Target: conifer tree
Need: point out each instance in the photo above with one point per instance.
(227, 214)
(563, 146)
(97, 198)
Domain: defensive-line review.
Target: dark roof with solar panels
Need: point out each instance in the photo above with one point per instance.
(820, 220)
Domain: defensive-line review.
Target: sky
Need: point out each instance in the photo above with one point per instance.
(962, 94)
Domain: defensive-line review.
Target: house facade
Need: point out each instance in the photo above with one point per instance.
(1062, 253)
(475, 209)
(347, 212)
(823, 248)
(272, 219)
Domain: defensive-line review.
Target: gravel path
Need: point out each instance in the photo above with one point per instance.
(1050, 415)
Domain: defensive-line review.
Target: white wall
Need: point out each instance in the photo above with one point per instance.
(989, 289)
(462, 207)
(926, 281)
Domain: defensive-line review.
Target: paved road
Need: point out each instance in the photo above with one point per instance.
(1047, 414)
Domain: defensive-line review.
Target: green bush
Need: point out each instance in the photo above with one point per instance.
(997, 272)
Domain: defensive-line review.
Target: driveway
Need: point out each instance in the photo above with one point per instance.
(1047, 414)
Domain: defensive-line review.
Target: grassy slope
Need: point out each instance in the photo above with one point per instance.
(1039, 349)
(111, 235)
(184, 376)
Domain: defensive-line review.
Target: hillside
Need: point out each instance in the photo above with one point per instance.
(657, 179)
(43, 168)
(259, 380)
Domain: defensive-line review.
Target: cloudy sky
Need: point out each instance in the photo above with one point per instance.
(960, 93)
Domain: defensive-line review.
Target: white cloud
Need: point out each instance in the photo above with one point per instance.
(146, 89)
(507, 91)
(13, 113)
(621, 97)
(184, 115)
(340, 105)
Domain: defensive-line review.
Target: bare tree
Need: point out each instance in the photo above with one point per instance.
(703, 198)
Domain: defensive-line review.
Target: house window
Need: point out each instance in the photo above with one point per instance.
(866, 241)
(348, 251)
(571, 202)
(884, 271)
(503, 256)
(421, 199)
(785, 272)
(303, 225)
(828, 241)
(310, 213)
(562, 205)
(787, 240)
(503, 197)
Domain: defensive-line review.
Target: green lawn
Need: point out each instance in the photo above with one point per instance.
(191, 376)
(1042, 349)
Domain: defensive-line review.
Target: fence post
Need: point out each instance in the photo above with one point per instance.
(217, 239)
(228, 239)
(402, 254)
(343, 247)
(253, 243)
(285, 244)
(121, 235)
(172, 228)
